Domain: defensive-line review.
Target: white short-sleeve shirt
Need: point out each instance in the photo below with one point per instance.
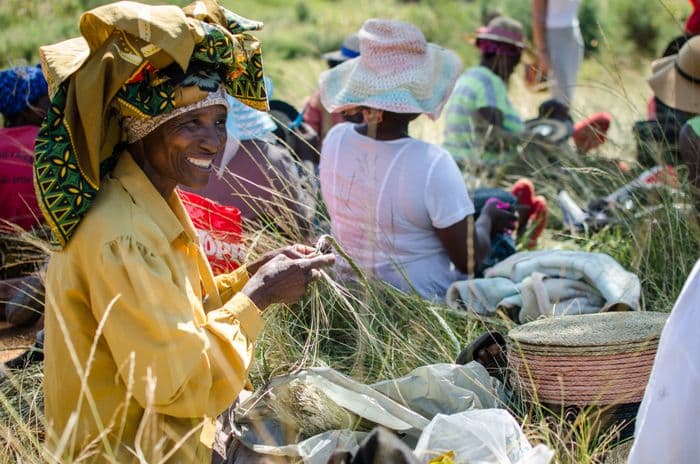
(385, 200)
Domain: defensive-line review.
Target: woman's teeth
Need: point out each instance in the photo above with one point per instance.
(200, 163)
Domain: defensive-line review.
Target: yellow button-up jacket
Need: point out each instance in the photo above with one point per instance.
(143, 345)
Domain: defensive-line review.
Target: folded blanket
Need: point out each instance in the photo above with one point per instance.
(549, 283)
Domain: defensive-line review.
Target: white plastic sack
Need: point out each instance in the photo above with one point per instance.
(486, 436)
(405, 404)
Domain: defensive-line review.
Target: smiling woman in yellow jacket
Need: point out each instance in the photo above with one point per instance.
(144, 347)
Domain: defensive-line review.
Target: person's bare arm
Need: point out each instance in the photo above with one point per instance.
(488, 123)
(539, 34)
(454, 238)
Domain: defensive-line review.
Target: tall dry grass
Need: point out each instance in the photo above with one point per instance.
(361, 326)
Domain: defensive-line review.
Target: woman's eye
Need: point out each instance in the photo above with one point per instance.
(192, 123)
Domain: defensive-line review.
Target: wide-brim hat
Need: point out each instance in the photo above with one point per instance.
(502, 29)
(348, 50)
(676, 78)
(397, 71)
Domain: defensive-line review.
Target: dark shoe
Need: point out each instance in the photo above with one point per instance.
(489, 351)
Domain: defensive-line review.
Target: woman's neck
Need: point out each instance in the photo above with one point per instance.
(384, 131)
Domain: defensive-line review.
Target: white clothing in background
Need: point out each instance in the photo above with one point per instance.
(385, 199)
(565, 50)
(562, 13)
(668, 422)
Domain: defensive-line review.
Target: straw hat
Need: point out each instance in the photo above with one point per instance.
(676, 78)
(348, 50)
(502, 29)
(397, 71)
(589, 359)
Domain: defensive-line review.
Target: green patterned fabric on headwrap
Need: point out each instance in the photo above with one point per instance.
(132, 61)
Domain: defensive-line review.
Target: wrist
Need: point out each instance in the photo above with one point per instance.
(256, 293)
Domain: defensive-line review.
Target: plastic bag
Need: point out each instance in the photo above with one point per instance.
(220, 231)
(479, 436)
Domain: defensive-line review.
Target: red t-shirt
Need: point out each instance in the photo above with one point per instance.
(17, 197)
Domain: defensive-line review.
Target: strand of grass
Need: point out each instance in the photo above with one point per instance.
(85, 392)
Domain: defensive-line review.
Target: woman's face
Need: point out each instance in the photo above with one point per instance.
(181, 151)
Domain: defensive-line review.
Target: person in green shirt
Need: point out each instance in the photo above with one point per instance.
(481, 122)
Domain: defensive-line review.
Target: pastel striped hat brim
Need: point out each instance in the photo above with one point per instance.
(397, 71)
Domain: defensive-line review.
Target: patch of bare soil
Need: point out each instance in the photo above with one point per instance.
(14, 340)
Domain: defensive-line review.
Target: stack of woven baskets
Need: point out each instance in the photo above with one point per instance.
(592, 359)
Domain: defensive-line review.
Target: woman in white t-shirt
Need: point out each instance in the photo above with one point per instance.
(398, 205)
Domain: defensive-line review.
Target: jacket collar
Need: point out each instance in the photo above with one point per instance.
(170, 216)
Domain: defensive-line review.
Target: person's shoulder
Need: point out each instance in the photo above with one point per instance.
(475, 74)
(339, 129)
(343, 129)
(430, 153)
(110, 218)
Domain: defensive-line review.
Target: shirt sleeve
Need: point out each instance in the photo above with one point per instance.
(231, 283)
(446, 196)
(458, 118)
(174, 364)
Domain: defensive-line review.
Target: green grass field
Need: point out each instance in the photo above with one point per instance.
(372, 332)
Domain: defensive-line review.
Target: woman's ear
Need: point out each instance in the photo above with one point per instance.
(372, 115)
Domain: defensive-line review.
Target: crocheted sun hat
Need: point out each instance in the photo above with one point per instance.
(397, 71)
(590, 359)
(246, 123)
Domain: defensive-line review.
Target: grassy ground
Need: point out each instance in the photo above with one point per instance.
(370, 331)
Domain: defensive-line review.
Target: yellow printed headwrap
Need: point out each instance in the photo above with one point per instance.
(132, 60)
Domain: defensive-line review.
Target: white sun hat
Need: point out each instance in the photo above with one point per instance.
(397, 71)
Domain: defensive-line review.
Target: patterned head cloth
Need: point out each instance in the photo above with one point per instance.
(20, 87)
(134, 67)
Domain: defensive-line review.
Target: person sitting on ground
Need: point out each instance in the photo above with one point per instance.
(482, 126)
(674, 82)
(398, 205)
(23, 104)
(481, 123)
(144, 347)
(260, 177)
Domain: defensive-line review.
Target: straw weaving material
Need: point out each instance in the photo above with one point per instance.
(592, 359)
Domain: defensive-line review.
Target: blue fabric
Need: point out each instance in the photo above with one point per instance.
(20, 87)
(246, 123)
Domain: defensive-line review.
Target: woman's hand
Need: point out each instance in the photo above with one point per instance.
(542, 64)
(291, 251)
(285, 278)
(501, 219)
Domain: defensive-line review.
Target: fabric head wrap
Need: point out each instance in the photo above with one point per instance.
(133, 65)
(20, 87)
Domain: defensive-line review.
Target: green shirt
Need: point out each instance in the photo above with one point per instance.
(477, 88)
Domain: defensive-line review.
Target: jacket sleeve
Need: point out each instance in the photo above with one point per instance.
(176, 362)
(232, 283)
